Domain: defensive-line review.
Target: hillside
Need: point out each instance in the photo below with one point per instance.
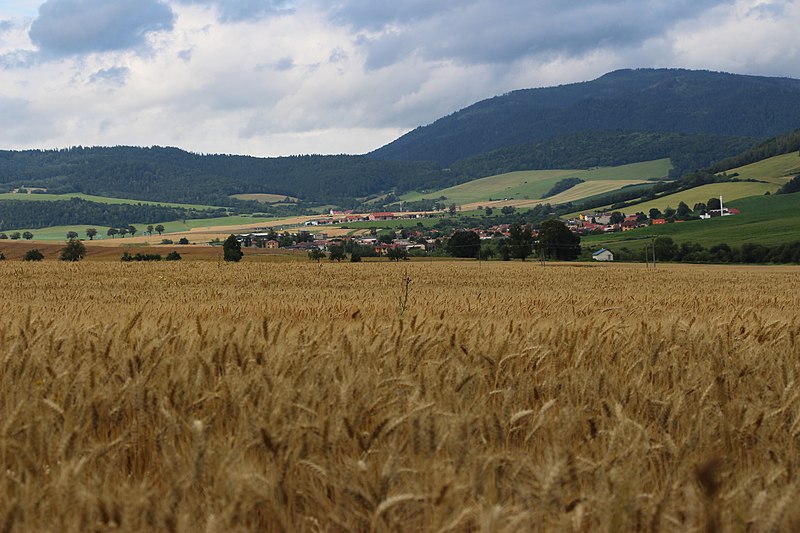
(528, 187)
(172, 175)
(765, 220)
(645, 100)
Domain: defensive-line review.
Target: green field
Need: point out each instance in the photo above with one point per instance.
(774, 170)
(533, 184)
(98, 199)
(265, 198)
(59, 233)
(729, 191)
(765, 220)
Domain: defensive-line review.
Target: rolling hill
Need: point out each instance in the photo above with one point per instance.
(528, 187)
(644, 100)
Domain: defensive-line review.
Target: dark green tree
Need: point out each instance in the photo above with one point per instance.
(617, 217)
(91, 232)
(397, 254)
(149, 229)
(72, 235)
(655, 213)
(73, 251)
(159, 229)
(464, 244)
(112, 232)
(683, 210)
(665, 248)
(519, 241)
(33, 255)
(232, 249)
(27, 235)
(336, 253)
(15, 236)
(173, 256)
(556, 241)
(316, 254)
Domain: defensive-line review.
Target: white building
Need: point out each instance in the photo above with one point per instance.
(603, 255)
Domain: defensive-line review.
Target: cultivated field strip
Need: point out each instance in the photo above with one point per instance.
(300, 397)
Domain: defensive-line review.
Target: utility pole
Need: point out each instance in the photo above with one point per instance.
(646, 262)
(654, 252)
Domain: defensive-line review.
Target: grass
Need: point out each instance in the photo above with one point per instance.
(535, 183)
(265, 198)
(776, 170)
(58, 233)
(766, 220)
(202, 396)
(98, 199)
(729, 191)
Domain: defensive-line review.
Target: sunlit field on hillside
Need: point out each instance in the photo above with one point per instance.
(446, 396)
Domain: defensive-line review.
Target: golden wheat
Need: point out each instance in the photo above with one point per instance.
(491, 397)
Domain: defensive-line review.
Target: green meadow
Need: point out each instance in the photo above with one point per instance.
(533, 184)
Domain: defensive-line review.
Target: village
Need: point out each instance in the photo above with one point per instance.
(421, 239)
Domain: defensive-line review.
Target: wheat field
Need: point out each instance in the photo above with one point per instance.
(398, 397)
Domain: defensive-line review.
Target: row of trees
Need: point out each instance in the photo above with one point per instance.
(16, 235)
(666, 249)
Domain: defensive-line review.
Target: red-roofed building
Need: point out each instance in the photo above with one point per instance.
(381, 216)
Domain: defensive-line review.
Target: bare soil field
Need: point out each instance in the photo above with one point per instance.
(442, 396)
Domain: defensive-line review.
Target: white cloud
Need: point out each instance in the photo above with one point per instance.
(272, 78)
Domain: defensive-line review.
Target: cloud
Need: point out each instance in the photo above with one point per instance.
(486, 31)
(75, 27)
(241, 10)
(112, 76)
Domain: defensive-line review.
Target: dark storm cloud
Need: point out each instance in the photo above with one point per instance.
(72, 27)
(240, 10)
(486, 31)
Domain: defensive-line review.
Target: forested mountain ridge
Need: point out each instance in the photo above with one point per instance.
(173, 175)
(644, 100)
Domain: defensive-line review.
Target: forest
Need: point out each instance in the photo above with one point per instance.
(32, 215)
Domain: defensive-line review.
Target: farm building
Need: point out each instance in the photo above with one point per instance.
(603, 255)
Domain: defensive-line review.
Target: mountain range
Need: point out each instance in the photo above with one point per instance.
(692, 117)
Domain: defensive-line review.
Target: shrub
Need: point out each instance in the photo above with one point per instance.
(173, 256)
(73, 251)
(33, 255)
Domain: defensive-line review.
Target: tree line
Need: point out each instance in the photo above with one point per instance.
(33, 214)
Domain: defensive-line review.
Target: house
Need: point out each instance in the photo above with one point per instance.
(603, 255)
(381, 216)
(272, 245)
(659, 221)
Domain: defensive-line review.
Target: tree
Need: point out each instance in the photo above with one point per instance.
(183, 240)
(712, 204)
(112, 232)
(337, 253)
(683, 210)
(73, 251)
(655, 213)
(520, 241)
(699, 208)
(27, 235)
(397, 254)
(489, 211)
(159, 229)
(464, 244)
(355, 256)
(557, 241)
(451, 209)
(91, 232)
(150, 229)
(315, 254)
(508, 210)
(2, 256)
(132, 230)
(71, 235)
(617, 217)
(790, 186)
(123, 232)
(15, 236)
(664, 248)
(232, 249)
(173, 256)
(3, 236)
(33, 255)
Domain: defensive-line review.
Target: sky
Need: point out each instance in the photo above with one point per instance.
(284, 77)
